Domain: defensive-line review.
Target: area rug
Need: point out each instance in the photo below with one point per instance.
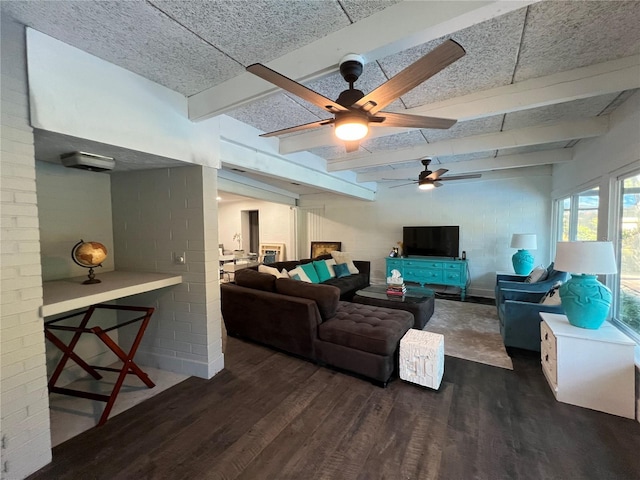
(471, 331)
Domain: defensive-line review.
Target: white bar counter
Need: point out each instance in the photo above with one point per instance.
(70, 294)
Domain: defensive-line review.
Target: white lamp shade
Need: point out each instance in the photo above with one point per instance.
(591, 258)
(524, 241)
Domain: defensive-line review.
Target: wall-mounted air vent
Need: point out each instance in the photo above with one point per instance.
(87, 161)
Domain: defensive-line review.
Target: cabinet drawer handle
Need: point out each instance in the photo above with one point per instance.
(546, 358)
(546, 336)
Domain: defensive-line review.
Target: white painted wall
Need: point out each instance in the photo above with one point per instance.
(596, 159)
(78, 94)
(24, 403)
(276, 223)
(487, 211)
(73, 204)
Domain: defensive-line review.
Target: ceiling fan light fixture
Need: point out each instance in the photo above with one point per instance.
(350, 127)
(426, 185)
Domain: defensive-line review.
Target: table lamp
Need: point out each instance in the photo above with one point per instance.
(585, 300)
(522, 259)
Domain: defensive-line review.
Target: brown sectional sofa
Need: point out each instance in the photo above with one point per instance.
(310, 320)
(348, 285)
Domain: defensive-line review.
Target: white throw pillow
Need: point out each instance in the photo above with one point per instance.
(284, 273)
(272, 270)
(301, 274)
(537, 275)
(344, 257)
(552, 297)
(330, 263)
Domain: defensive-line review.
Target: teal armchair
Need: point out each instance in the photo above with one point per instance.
(515, 282)
(519, 314)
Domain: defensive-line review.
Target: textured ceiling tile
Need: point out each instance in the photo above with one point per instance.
(260, 30)
(466, 129)
(560, 36)
(394, 142)
(275, 112)
(332, 151)
(531, 148)
(491, 47)
(359, 9)
(133, 35)
(561, 112)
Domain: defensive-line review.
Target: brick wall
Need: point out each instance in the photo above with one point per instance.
(24, 401)
(157, 213)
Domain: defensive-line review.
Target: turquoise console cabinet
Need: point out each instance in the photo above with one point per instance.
(434, 271)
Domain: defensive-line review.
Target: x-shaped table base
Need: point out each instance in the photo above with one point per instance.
(128, 365)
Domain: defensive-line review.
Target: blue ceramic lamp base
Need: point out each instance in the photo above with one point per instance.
(522, 262)
(585, 301)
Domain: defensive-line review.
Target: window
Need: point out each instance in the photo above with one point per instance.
(627, 301)
(579, 216)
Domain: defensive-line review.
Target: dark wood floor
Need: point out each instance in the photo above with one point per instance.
(272, 416)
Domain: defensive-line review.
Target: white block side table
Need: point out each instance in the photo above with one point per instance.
(422, 358)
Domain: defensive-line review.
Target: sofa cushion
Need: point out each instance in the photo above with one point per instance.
(367, 328)
(300, 274)
(342, 270)
(330, 263)
(348, 284)
(273, 271)
(538, 274)
(310, 270)
(250, 278)
(345, 257)
(325, 296)
(322, 270)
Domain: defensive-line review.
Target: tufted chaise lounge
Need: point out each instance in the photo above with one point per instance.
(309, 320)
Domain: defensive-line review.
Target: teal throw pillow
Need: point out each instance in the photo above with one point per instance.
(295, 276)
(342, 270)
(311, 272)
(322, 270)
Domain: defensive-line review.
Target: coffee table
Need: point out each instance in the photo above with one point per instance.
(417, 300)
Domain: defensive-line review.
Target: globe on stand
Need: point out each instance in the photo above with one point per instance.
(89, 255)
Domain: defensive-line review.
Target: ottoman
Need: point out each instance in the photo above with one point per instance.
(418, 301)
(422, 358)
(363, 339)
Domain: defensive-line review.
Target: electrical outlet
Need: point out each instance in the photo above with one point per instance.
(179, 258)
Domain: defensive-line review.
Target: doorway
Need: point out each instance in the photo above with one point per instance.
(250, 221)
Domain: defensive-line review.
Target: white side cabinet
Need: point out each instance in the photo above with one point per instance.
(589, 368)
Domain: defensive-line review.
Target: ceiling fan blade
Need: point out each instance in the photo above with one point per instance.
(294, 87)
(412, 76)
(403, 185)
(461, 177)
(352, 146)
(398, 179)
(412, 121)
(437, 184)
(435, 175)
(306, 126)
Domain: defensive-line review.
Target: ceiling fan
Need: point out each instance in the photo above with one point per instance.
(354, 111)
(428, 179)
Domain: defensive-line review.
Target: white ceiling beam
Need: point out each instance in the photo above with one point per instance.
(503, 162)
(479, 143)
(601, 79)
(392, 30)
(271, 165)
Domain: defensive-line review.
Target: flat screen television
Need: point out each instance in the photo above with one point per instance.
(441, 241)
